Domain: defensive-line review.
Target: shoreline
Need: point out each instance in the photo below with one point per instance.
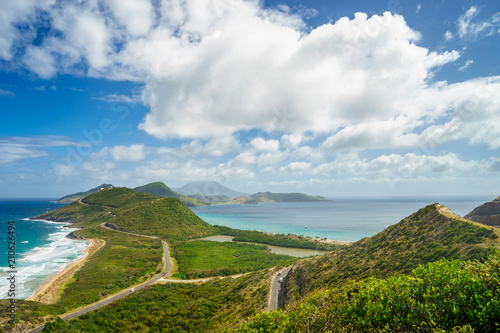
(48, 291)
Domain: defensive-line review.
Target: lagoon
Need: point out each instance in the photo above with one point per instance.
(294, 252)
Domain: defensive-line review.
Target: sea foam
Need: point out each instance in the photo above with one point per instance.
(34, 266)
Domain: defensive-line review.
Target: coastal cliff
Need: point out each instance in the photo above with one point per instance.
(488, 213)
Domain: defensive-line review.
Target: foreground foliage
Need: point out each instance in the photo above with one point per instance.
(199, 259)
(438, 296)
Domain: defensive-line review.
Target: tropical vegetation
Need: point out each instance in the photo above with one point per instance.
(444, 296)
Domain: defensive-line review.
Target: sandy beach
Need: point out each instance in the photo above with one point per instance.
(49, 290)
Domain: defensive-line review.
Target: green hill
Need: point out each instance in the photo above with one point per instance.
(77, 196)
(138, 212)
(428, 235)
(167, 218)
(98, 207)
(161, 190)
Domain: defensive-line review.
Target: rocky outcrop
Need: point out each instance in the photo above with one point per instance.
(112, 226)
(488, 213)
(72, 235)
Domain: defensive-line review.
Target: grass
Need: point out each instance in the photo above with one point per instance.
(199, 259)
(124, 260)
(178, 308)
(167, 218)
(99, 207)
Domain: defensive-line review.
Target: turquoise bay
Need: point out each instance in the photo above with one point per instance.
(342, 219)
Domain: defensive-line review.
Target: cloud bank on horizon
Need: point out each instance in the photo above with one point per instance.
(242, 92)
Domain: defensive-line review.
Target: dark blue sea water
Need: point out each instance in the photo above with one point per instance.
(41, 247)
(344, 219)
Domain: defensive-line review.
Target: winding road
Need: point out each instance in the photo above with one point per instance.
(121, 294)
(275, 294)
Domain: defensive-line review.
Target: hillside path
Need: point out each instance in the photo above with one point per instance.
(126, 232)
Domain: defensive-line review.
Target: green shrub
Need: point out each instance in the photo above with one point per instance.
(441, 296)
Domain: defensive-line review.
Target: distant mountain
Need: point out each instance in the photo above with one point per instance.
(211, 198)
(77, 196)
(208, 188)
(163, 191)
(488, 213)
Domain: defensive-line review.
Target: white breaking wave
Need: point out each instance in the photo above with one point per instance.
(35, 266)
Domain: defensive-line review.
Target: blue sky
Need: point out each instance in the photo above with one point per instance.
(351, 98)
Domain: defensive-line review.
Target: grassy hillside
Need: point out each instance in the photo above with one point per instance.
(124, 260)
(428, 235)
(442, 296)
(167, 218)
(138, 212)
(98, 207)
(163, 191)
(179, 307)
(288, 240)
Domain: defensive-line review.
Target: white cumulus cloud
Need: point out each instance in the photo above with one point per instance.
(133, 152)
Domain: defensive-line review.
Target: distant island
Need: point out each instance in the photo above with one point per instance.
(208, 193)
(275, 197)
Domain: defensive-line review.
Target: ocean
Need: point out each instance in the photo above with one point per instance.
(342, 219)
(42, 248)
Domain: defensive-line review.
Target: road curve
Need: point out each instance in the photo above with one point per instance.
(276, 292)
(106, 301)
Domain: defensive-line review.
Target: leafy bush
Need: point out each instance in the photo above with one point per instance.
(450, 296)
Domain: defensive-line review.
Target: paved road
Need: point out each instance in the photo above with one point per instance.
(276, 293)
(126, 232)
(101, 303)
